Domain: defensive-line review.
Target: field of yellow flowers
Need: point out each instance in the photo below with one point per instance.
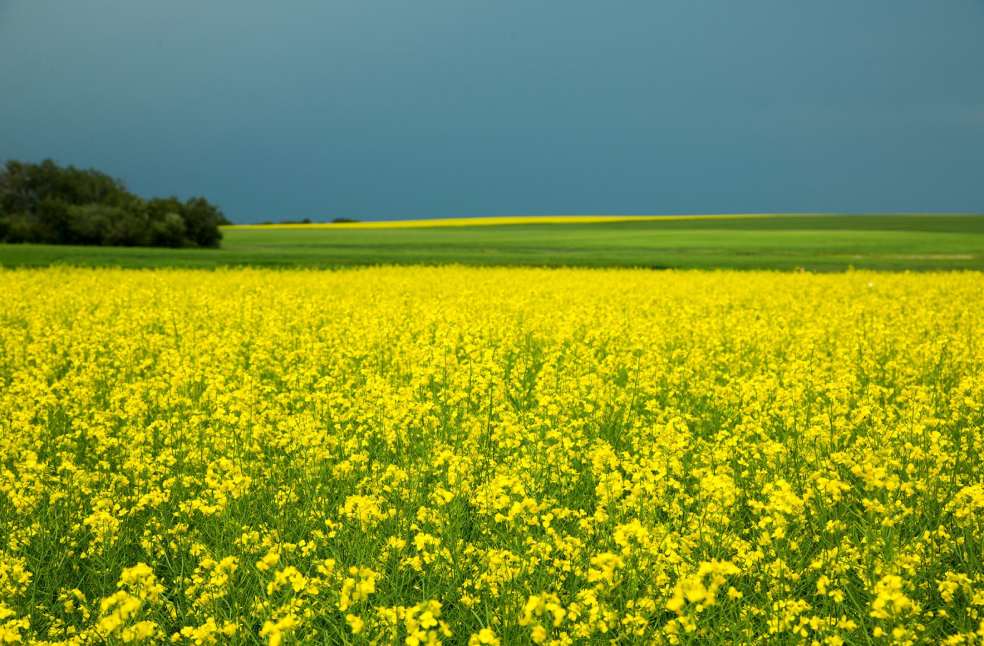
(490, 456)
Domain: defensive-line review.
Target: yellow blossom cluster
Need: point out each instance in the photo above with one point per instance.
(490, 456)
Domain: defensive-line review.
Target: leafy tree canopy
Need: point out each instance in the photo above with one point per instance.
(52, 204)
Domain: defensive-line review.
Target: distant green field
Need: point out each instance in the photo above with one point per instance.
(814, 242)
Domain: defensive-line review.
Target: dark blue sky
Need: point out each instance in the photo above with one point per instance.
(398, 108)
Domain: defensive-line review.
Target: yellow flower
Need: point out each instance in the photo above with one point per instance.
(890, 599)
(275, 631)
(355, 623)
(484, 636)
(567, 456)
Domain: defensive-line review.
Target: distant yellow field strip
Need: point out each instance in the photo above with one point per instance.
(496, 221)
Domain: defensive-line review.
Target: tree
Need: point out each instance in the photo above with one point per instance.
(65, 205)
(168, 231)
(202, 222)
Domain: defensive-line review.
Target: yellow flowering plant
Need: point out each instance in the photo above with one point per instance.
(452, 455)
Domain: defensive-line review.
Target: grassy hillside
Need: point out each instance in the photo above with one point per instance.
(817, 242)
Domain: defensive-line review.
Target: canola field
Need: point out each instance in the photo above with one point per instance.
(490, 456)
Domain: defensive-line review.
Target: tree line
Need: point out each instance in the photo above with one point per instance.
(52, 204)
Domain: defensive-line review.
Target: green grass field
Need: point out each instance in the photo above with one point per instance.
(815, 242)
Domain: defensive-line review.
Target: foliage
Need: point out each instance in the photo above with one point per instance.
(47, 203)
(491, 456)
